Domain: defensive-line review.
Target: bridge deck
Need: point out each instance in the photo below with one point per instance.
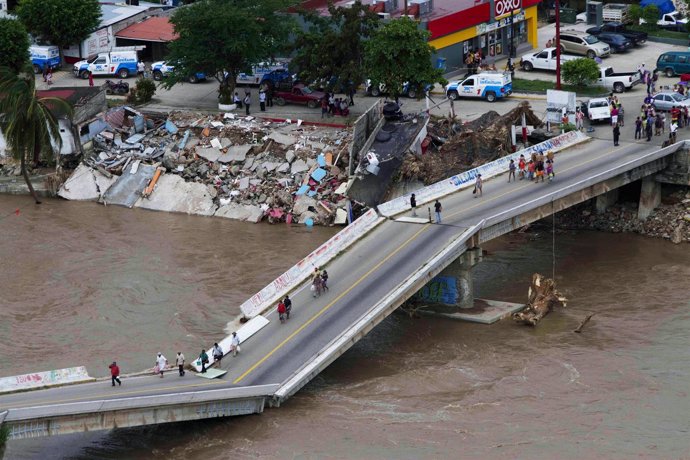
(361, 277)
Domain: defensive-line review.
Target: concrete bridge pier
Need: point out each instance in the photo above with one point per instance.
(606, 200)
(650, 197)
(461, 270)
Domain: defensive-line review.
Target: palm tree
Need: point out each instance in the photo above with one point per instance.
(27, 121)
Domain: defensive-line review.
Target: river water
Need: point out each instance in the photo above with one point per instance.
(82, 284)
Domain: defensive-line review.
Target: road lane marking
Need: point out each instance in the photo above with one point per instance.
(106, 395)
(329, 305)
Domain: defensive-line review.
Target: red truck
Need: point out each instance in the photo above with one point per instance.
(300, 94)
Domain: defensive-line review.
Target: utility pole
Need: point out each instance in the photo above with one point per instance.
(405, 10)
(558, 45)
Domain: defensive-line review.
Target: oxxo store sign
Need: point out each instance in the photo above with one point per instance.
(502, 7)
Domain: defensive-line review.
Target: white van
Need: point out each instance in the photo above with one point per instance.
(115, 63)
(44, 57)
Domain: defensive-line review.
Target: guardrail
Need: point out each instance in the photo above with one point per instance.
(488, 170)
(139, 402)
(376, 314)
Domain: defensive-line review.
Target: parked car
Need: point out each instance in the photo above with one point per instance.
(161, 68)
(667, 100)
(300, 94)
(673, 63)
(581, 18)
(671, 21)
(597, 109)
(485, 85)
(637, 38)
(576, 42)
(543, 60)
(618, 81)
(617, 42)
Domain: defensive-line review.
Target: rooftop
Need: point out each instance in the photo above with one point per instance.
(112, 12)
(154, 29)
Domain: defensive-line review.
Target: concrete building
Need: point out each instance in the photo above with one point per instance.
(458, 26)
(115, 17)
(3, 9)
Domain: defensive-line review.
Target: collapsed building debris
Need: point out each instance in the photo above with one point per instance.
(222, 165)
(465, 146)
(542, 298)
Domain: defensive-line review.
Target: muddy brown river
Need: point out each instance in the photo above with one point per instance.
(83, 284)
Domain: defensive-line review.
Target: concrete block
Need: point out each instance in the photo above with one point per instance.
(248, 163)
(298, 166)
(248, 213)
(173, 194)
(285, 167)
(236, 153)
(302, 204)
(290, 156)
(85, 184)
(281, 138)
(208, 153)
(244, 183)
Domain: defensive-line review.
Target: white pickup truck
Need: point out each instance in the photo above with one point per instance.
(671, 21)
(597, 109)
(543, 60)
(617, 81)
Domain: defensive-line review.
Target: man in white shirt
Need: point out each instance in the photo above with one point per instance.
(235, 344)
(161, 362)
(179, 361)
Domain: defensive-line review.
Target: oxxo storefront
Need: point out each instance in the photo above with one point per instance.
(492, 26)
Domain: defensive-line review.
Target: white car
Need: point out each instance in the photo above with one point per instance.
(581, 18)
(161, 68)
(597, 109)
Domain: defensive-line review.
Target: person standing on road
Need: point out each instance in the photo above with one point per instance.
(413, 204)
(437, 209)
(49, 76)
(269, 95)
(614, 114)
(91, 79)
(179, 361)
(203, 358)
(324, 283)
(478, 186)
(616, 134)
(115, 373)
(650, 127)
(262, 100)
(638, 128)
(161, 363)
(511, 171)
(351, 93)
(217, 353)
(672, 133)
(247, 101)
(234, 344)
(521, 167)
(281, 312)
(288, 306)
(237, 100)
(579, 119)
(141, 69)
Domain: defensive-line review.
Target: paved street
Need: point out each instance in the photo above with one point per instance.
(359, 279)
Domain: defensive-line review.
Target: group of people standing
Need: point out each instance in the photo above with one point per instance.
(331, 105)
(539, 166)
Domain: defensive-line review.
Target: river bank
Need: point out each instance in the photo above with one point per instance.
(669, 221)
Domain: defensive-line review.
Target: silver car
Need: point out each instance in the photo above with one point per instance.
(666, 101)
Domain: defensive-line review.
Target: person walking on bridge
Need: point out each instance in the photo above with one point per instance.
(437, 209)
(161, 363)
(179, 361)
(203, 359)
(616, 134)
(281, 312)
(288, 306)
(413, 204)
(235, 344)
(478, 186)
(217, 353)
(511, 170)
(115, 374)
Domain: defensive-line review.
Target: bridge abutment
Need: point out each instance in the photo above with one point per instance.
(650, 197)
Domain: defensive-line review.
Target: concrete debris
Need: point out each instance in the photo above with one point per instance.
(214, 165)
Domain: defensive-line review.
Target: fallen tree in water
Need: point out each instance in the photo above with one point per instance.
(542, 298)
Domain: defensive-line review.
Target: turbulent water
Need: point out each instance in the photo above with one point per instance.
(85, 284)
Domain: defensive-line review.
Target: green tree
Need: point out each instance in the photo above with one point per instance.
(635, 13)
(397, 53)
(650, 14)
(332, 48)
(14, 44)
(580, 72)
(60, 22)
(28, 122)
(222, 38)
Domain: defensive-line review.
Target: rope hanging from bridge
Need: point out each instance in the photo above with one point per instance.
(553, 241)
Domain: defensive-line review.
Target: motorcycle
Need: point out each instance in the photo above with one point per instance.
(118, 88)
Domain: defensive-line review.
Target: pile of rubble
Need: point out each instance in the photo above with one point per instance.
(670, 220)
(240, 167)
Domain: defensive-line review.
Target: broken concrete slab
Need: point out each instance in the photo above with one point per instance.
(281, 138)
(340, 217)
(209, 153)
(249, 213)
(128, 187)
(299, 166)
(244, 183)
(236, 153)
(285, 167)
(173, 194)
(85, 184)
(290, 156)
(303, 203)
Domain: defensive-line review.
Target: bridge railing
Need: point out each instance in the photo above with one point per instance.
(579, 185)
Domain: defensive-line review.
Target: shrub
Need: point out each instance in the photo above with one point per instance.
(635, 13)
(650, 14)
(580, 72)
(143, 92)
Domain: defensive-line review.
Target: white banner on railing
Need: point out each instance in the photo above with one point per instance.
(44, 379)
(488, 170)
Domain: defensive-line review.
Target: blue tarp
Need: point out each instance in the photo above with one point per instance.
(665, 6)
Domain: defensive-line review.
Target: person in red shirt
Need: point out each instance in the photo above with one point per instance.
(281, 311)
(115, 373)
